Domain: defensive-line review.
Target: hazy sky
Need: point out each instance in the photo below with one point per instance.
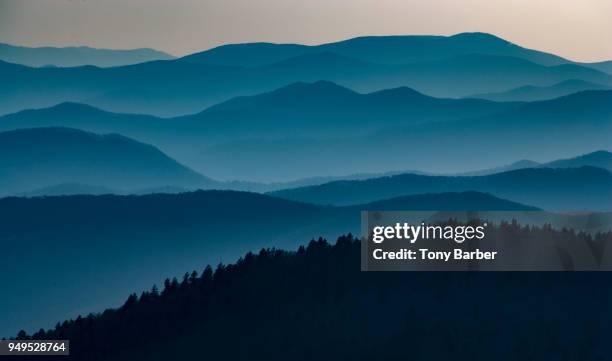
(577, 29)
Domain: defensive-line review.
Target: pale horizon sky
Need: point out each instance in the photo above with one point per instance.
(579, 30)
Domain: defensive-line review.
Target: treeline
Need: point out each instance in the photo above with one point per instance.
(315, 304)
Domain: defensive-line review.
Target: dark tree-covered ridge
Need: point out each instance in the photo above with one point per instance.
(315, 304)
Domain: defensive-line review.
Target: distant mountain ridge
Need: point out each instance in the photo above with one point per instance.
(534, 93)
(468, 64)
(77, 56)
(318, 109)
(39, 157)
(247, 137)
(325, 108)
(569, 189)
(575, 124)
(600, 159)
(390, 50)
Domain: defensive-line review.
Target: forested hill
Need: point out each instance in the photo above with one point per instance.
(315, 304)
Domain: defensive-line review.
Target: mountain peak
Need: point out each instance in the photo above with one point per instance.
(477, 35)
(295, 92)
(74, 106)
(402, 91)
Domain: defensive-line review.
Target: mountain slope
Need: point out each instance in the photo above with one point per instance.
(84, 117)
(97, 246)
(247, 54)
(571, 189)
(163, 133)
(533, 93)
(601, 159)
(77, 56)
(605, 66)
(324, 108)
(38, 157)
(288, 296)
(521, 164)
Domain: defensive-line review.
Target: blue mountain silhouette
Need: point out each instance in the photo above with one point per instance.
(179, 87)
(390, 50)
(316, 109)
(567, 189)
(33, 158)
(576, 124)
(533, 93)
(479, 131)
(77, 56)
(601, 159)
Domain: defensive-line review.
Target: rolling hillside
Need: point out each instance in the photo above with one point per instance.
(316, 304)
(39, 157)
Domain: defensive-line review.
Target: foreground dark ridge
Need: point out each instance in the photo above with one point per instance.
(90, 242)
(315, 304)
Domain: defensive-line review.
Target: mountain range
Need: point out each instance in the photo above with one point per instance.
(320, 109)
(579, 123)
(601, 159)
(475, 64)
(560, 189)
(77, 56)
(248, 137)
(389, 50)
(136, 132)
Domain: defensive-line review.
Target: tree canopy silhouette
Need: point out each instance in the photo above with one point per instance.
(315, 304)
